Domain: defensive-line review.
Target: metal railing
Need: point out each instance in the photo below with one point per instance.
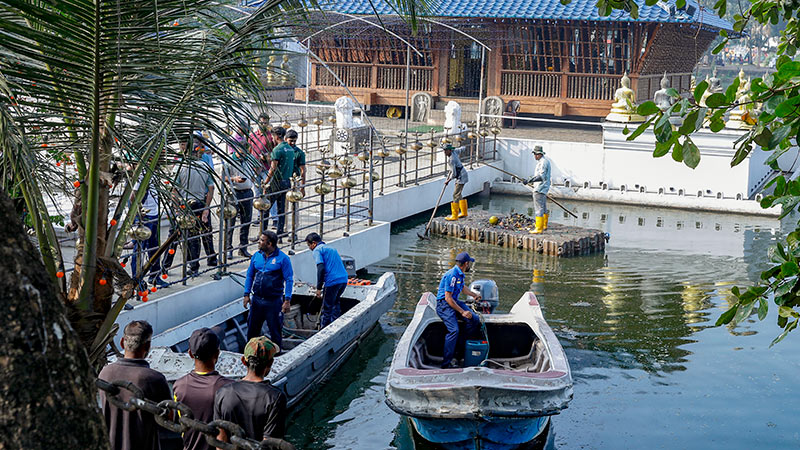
(336, 197)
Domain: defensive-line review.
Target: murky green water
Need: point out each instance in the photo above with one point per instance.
(650, 370)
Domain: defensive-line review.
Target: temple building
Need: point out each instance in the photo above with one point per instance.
(551, 58)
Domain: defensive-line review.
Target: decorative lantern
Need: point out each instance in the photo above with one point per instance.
(495, 130)
(317, 121)
(432, 143)
(336, 172)
(375, 175)
(363, 156)
(302, 123)
(483, 132)
(349, 182)
(294, 196)
(447, 140)
(472, 135)
(323, 189)
(229, 212)
(346, 161)
(332, 119)
(139, 233)
(382, 153)
(416, 146)
(262, 204)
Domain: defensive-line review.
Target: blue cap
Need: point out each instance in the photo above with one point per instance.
(464, 257)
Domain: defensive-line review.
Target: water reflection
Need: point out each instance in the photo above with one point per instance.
(636, 323)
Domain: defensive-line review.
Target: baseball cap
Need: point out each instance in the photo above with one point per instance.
(261, 348)
(447, 147)
(464, 257)
(203, 343)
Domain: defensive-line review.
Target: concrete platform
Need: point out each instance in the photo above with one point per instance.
(513, 232)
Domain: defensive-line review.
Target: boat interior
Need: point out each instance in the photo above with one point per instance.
(300, 323)
(512, 346)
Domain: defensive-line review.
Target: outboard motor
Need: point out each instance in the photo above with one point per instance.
(489, 293)
(349, 265)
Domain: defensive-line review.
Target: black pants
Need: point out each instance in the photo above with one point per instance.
(280, 202)
(265, 310)
(193, 239)
(244, 208)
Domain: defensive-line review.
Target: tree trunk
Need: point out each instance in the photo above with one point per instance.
(47, 394)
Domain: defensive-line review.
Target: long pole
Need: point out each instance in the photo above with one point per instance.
(408, 88)
(371, 182)
(308, 71)
(520, 179)
(480, 90)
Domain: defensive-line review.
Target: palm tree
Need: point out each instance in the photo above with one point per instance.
(93, 87)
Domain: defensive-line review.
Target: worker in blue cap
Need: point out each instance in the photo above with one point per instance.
(451, 310)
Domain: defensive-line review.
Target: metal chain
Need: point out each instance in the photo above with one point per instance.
(166, 411)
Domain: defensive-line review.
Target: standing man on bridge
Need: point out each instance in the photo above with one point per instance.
(458, 173)
(541, 176)
(450, 309)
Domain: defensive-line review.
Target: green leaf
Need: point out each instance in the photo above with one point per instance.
(789, 269)
(757, 86)
(785, 288)
(720, 46)
(743, 313)
(716, 100)
(789, 69)
(763, 138)
(717, 125)
(662, 148)
(699, 90)
(677, 152)
(730, 93)
(779, 135)
(727, 316)
(786, 331)
(690, 123)
(640, 129)
(762, 309)
(788, 107)
(680, 4)
(772, 103)
(691, 154)
(785, 311)
(647, 108)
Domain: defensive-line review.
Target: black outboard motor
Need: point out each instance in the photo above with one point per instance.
(489, 293)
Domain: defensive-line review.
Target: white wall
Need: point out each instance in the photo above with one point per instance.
(618, 162)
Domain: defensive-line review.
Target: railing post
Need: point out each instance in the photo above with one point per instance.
(223, 232)
(371, 182)
(564, 85)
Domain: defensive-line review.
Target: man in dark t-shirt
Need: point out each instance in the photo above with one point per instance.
(253, 403)
(197, 388)
(134, 430)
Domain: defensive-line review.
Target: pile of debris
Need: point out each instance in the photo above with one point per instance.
(517, 221)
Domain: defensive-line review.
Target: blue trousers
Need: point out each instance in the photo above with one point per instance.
(331, 306)
(147, 247)
(268, 310)
(451, 320)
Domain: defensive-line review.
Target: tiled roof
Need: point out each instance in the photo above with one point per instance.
(662, 12)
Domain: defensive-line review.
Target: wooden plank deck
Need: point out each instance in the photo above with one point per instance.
(558, 240)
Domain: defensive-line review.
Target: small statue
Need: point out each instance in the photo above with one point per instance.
(662, 98)
(624, 107)
(740, 117)
(421, 104)
(286, 74)
(714, 83)
(271, 70)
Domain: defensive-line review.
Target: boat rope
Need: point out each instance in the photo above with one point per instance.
(474, 309)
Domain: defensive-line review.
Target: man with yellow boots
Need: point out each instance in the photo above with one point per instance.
(541, 176)
(458, 207)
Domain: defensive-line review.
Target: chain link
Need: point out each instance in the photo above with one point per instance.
(164, 414)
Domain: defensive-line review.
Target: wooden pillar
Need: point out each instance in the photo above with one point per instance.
(494, 67)
(442, 67)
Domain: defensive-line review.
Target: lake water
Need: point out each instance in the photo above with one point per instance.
(650, 369)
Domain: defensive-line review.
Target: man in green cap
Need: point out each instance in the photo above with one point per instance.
(253, 403)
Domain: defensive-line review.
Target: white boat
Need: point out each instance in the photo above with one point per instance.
(503, 402)
(310, 355)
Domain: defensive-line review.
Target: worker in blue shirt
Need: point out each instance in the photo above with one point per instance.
(451, 310)
(331, 273)
(269, 281)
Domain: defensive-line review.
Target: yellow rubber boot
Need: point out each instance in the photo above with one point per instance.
(539, 225)
(544, 225)
(463, 205)
(453, 212)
